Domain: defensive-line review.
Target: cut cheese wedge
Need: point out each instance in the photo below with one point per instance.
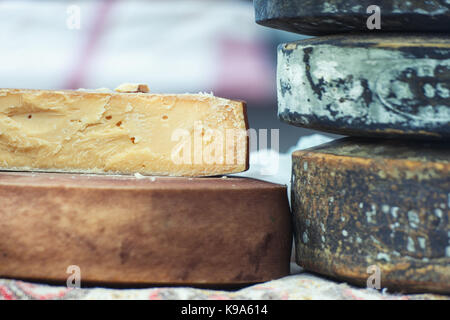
(111, 132)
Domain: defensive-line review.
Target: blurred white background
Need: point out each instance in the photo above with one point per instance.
(174, 46)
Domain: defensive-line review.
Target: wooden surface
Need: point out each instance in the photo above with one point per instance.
(359, 203)
(123, 230)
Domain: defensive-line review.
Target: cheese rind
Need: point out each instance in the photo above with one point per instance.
(151, 230)
(132, 87)
(88, 131)
(367, 85)
(325, 17)
(359, 203)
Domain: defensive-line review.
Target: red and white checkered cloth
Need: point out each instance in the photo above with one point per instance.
(298, 286)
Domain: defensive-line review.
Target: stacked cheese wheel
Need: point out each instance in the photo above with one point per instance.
(114, 187)
(377, 204)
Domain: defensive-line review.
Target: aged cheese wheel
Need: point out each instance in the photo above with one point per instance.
(324, 17)
(154, 230)
(126, 131)
(387, 86)
(359, 203)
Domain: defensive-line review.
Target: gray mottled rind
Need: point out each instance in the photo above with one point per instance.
(385, 85)
(324, 17)
(354, 208)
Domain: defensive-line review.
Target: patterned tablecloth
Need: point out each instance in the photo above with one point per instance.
(299, 285)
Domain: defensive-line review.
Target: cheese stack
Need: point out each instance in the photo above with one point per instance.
(372, 209)
(108, 183)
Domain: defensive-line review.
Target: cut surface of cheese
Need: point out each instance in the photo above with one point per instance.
(324, 17)
(151, 230)
(89, 131)
(361, 204)
(367, 85)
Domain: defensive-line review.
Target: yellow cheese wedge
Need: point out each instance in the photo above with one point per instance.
(113, 132)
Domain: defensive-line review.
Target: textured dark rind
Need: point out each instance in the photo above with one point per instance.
(324, 17)
(123, 230)
(367, 85)
(360, 202)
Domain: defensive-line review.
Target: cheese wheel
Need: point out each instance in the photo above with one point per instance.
(361, 204)
(154, 230)
(122, 132)
(387, 86)
(324, 17)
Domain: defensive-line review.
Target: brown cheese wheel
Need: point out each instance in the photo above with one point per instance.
(125, 230)
(359, 203)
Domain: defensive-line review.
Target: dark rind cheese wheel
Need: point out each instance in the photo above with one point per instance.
(123, 230)
(386, 86)
(324, 17)
(360, 202)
